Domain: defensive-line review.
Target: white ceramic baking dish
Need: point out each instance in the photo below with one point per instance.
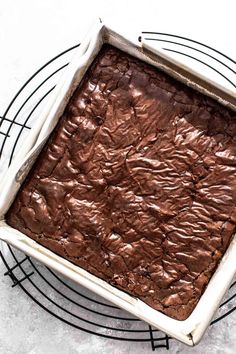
(188, 331)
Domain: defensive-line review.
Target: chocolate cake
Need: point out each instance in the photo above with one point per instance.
(137, 183)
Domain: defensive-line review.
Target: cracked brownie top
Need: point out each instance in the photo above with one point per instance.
(137, 184)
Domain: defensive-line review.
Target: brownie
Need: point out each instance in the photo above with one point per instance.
(137, 183)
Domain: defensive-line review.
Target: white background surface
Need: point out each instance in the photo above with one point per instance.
(32, 32)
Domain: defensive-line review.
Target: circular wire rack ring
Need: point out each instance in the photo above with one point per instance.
(61, 298)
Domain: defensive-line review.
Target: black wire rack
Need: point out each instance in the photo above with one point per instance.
(70, 303)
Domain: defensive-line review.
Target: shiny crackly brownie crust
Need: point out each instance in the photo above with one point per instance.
(137, 184)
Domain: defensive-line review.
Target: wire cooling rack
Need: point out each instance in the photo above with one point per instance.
(70, 303)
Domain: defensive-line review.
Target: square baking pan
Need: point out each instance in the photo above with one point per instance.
(188, 331)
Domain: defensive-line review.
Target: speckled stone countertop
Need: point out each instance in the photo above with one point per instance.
(26, 44)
